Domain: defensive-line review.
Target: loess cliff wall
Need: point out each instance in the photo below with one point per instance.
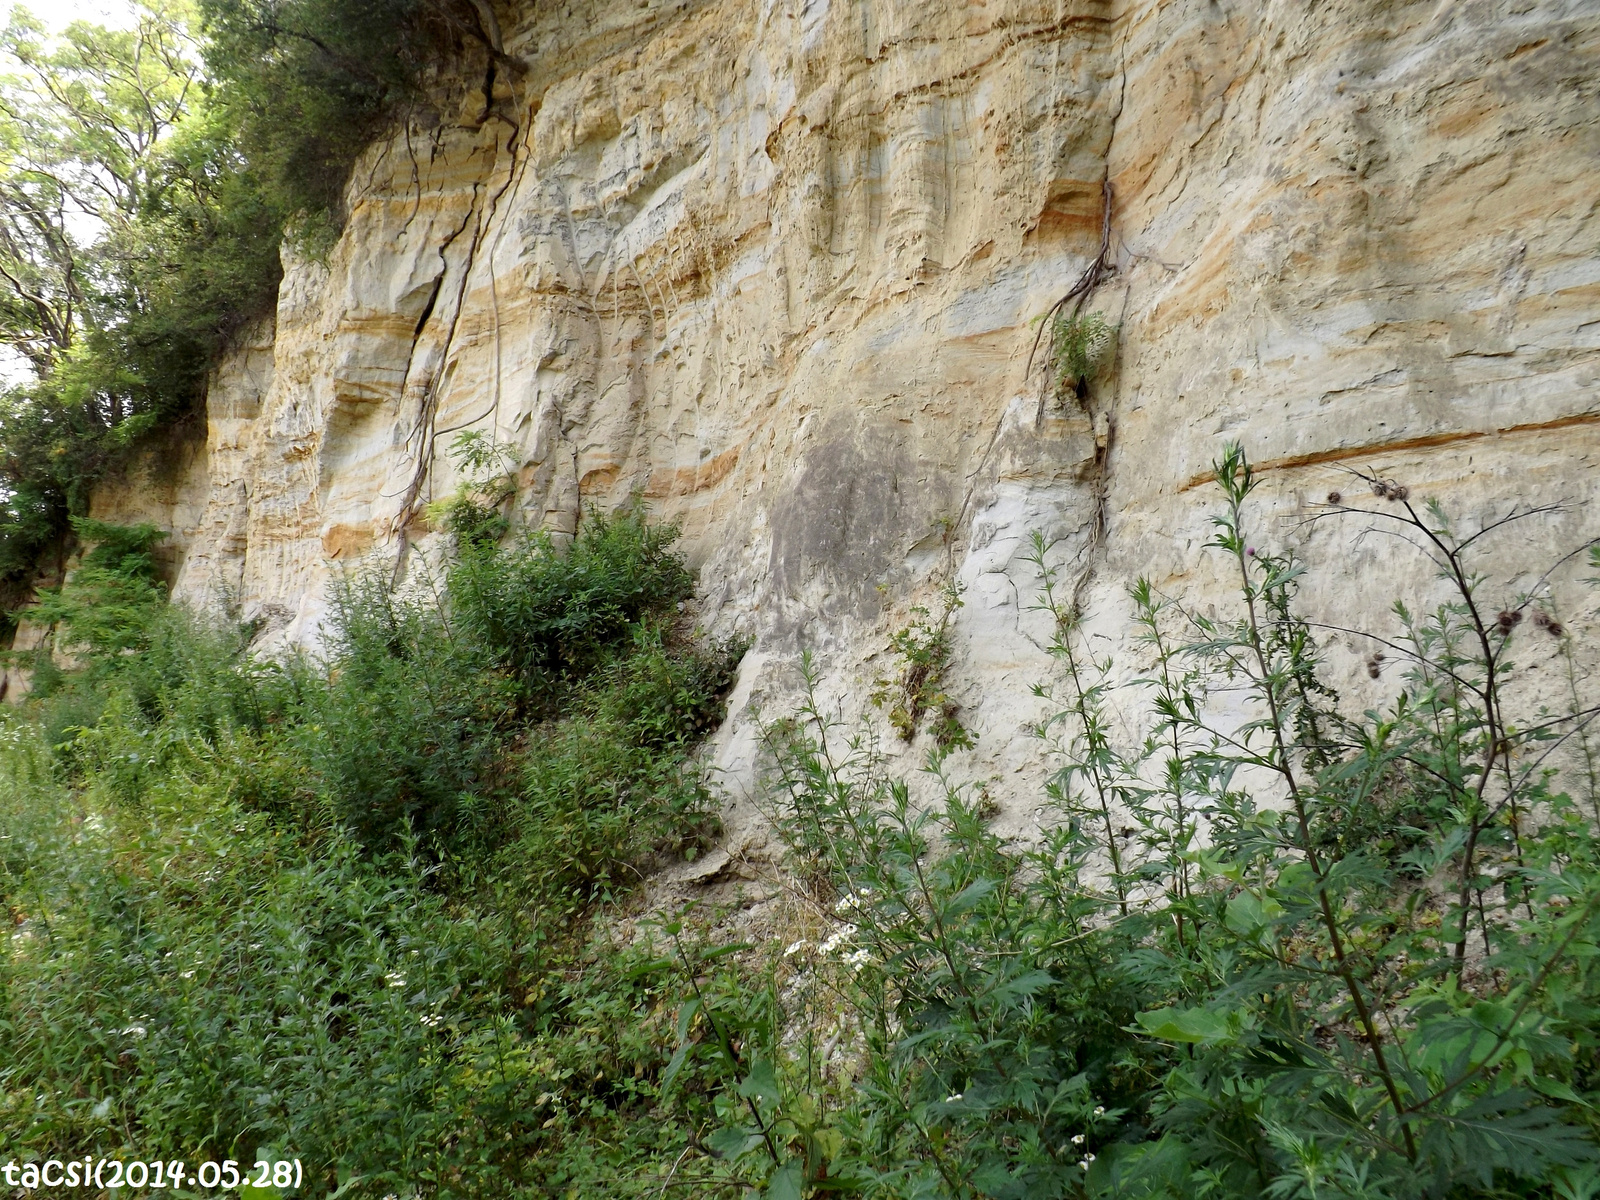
(773, 263)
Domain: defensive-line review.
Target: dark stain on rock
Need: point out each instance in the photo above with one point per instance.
(842, 527)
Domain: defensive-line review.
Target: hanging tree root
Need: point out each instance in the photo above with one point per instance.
(1077, 295)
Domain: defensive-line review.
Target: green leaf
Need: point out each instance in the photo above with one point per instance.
(674, 1065)
(1024, 985)
(1195, 1026)
(969, 898)
(686, 1014)
(761, 1084)
(787, 1182)
(1248, 913)
(732, 1141)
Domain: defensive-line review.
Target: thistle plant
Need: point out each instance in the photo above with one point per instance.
(1263, 946)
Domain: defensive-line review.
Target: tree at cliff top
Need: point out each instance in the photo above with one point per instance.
(147, 178)
(133, 239)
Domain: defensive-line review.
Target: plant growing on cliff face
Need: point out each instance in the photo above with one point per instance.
(1081, 346)
(473, 512)
(923, 648)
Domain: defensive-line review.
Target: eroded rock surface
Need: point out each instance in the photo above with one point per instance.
(772, 264)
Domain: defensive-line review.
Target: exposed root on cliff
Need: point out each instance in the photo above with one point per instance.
(423, 433)
(1099, 268)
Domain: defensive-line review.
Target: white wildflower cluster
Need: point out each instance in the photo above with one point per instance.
(837, 938)
(852, 900)
(1085, 1161)
(431, 1020)
(394, 979)
(794, 948)
(857, 958)
(954, 1098)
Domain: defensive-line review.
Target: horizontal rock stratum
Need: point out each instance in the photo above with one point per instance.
(773, 265)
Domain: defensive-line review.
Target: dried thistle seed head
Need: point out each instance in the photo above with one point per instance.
(1507, 620)
(1335, 498)
(1399, 492)
(1555, 629)
(1372, 670)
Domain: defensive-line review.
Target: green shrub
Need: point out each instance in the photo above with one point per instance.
(1081, 346)
(353, 915)
(412, 730)
(550, 616)
(607, 790)
(1291, 954)
(407, 730)
(474, 512)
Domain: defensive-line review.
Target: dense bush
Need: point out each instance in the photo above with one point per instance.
(1286, 953)
(1262, 947)
(549, 617)
(426, 688)
(348, 909)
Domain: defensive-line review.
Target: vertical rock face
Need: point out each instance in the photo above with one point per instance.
(773, 265)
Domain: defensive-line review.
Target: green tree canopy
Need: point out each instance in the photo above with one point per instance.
(147, 177)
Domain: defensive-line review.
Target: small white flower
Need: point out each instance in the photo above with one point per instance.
(1088, 1158)
(1084, 1163)
(432, 1020)
(1077, 1139)
(846, 903)
(953, 1098)
(1099, 1110)
(135, 1030)
(838, 938)
(857, 958)
(185, 974)
(794, 948)
(395, 979)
